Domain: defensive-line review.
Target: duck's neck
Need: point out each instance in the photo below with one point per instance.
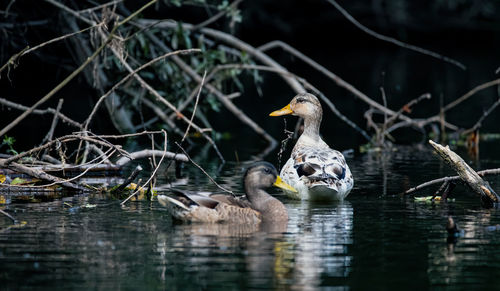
(257, 197)
(310, 136)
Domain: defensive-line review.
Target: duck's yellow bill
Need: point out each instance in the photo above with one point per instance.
(283, 111)
(280, 184)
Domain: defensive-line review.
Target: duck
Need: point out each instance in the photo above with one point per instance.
(254, 207)
(317, 171)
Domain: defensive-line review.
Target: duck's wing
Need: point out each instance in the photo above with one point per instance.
(208, 207)
(190, 206)
(189, 198)
(322, 167)
(239, 201)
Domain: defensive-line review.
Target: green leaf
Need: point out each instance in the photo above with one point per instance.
(18, 181)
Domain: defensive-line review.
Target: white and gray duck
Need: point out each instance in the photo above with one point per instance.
(314, 169)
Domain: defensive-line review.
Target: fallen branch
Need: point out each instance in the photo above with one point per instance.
(448, 179)
(36, 173)
(148, 153)
(466, 173)
(66, 138)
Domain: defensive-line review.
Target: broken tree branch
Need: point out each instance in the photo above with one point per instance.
(449, 179)
(466, 173)
(148, 153)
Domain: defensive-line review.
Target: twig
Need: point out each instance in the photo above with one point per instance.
(54, 122)
(127, 135)
(129, 180)
(12, 60)
(420, 123)
(94, 148)
(393, 40)
(195, 106)
(154, 172)
(470, 93)
(62, 139)
(58, 39)
(192, 116)
(9, 216)
(407, 107)
(204, 172)
(215, 17)
(162, 115)
(74, 73)
(92, 164)
(100, 6)
(478, 124)
(49, 110)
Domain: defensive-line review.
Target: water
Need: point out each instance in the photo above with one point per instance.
(373, 240)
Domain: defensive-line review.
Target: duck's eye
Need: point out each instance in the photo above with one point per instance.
(267, 170)
(301, 100)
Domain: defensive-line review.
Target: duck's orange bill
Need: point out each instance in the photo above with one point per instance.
(280, 184)
(283, 111)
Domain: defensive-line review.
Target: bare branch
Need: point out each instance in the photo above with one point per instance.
(215, 17)
(204, 172)
(470, 93)
(49, 110)
(148, 153)
(74, 73)
(395, 41)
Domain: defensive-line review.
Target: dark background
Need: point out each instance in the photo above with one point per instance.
(463, 30)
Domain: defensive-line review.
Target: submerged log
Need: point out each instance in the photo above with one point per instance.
(467, 174)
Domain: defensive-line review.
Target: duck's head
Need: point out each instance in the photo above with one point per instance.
(304, 105)
(262, 175)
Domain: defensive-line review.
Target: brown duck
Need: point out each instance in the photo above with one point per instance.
(258, 206)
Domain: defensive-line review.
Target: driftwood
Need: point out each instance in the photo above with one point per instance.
(466, 173)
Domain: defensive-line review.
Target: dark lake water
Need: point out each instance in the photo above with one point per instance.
(373, 240)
